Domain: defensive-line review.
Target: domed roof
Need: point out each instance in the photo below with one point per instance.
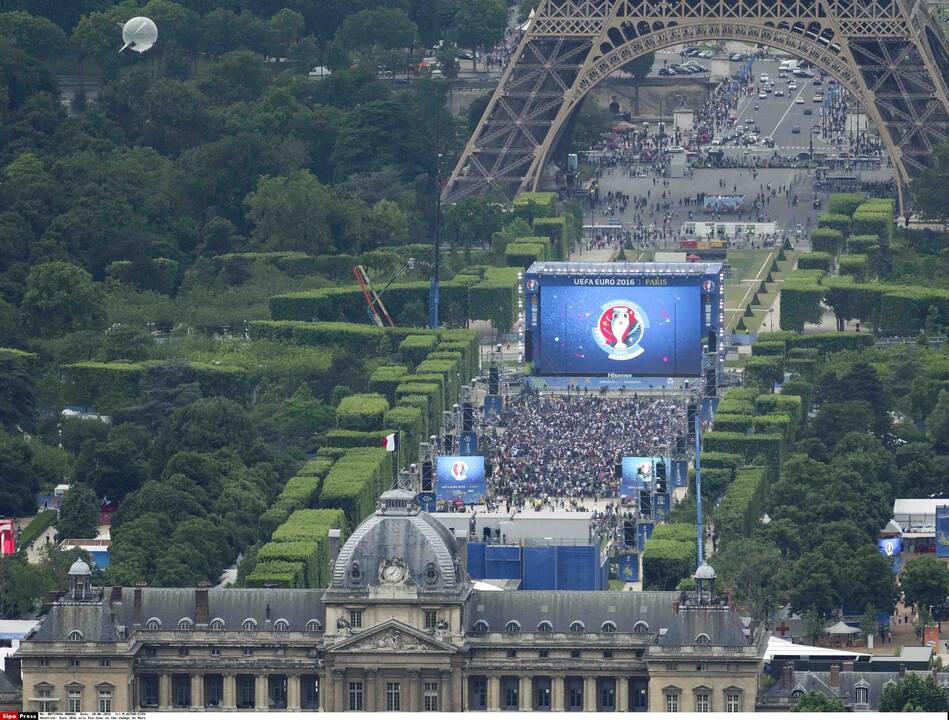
(80, 567)
(420, 551)
(705, 572)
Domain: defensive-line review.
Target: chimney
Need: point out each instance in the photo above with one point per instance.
(848, 666)
(138, 614)
(201, 612)
(787, 675)
(116, 596)
(333, 536)
(902, 669)
(835, 676)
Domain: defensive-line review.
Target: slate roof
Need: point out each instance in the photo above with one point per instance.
(93, 620)
(819, 681)
(232, 605)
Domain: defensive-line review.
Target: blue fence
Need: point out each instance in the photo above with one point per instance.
(553, 567)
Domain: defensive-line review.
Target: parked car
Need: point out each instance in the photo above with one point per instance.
(799, 100)
(707, 54)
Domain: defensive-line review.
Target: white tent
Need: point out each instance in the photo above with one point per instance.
(841, 628)
(777, 647)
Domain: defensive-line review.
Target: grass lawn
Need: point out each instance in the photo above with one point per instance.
(750, 264)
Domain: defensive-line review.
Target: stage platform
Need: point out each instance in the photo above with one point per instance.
(558, 383)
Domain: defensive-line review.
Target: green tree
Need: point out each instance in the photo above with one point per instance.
(18, 481)
(478, 23)
(113, 469)
(818, 702)
(36, 35)
(292, 212)
(287, 26)
(931, 188)
(921, 693)
(61, 298)
(22, 586)
(377, 35)
(79, 513)
(205, 426)
(17, 401)
(640, 66)
(926, 581)
(472, 221)
(937, 424)
(748, 566)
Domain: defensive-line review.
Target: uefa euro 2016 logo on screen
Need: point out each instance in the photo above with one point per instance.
(620, 329)
(459, 470)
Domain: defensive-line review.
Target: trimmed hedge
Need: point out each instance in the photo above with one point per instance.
(832, 342)
(361, 412)
(410, 421)
(712, 460)
(733, 423)
(356, 438)
(863, 244)
(555, 228)
(802, 389)
(318, 467)
(844, 203)
(310, 527)
(815, 261)
(872, 221)
(801, 299)
(531, 205)
(300, 491)
(768, 347)
(827, 240)
(774, 424)
(741, 508)
(857, 266)
(735, 407)
(306, 553)
(430, 390)
(667, 561)
(356, 481)
(277, 574)
(385, 379)
(763, 372)
(789, 405)
(748, 446)
(835, 221)
(414, 348)
(522, 255)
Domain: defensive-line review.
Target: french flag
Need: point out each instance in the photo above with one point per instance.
(390, 442)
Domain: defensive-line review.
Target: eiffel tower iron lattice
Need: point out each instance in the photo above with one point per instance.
(889, 54)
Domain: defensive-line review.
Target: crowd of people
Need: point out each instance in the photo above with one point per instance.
(553, 451)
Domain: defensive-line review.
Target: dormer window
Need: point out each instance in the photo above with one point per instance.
(544, 627)
(217, 624)
(355, 572)
(861, 695)
(185, 624)
(641, 628)
(480, 627)
(249, 625)
(577, 627)
(281, 625)
(513, 626)
(608, 627)
(314, 626)
(703, 639)
(153, 624)
(75, 636)
(431, 574)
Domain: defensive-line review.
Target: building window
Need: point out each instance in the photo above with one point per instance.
(355, 696)
(513, 626)
(544, 627)
(511, 653)
(576, 626)
(431, 619)
(672, 702)
(249, 625)
(183, 652)
(575, 654)
(703, 639)
(430, 698)
(511, 693)
(213, 690)
(105, 700)
(215, 652)
(181, 690)
(246, 691)
(314, 626)
(153, 624)
(248, 652)
(640, 628)
(543, 653)
(355, 618)
(185, 624)
(75, 636)
(104, 662)
(703, 702)
(732, 701)
(42, 704)
(479, 693)
(862, 695)
(607, 654)
(74, 662)
(310, 685)
(393, 697)
(797, 695)
(217, 624)
(608, 627)
(480, 627)
(281, 625)
(149, 690)
(75, 701)
(43, 662)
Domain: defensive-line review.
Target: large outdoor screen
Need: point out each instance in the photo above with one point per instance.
(618, 330)
(460, 478)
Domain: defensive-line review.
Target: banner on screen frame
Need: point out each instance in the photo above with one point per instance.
(627, 567)
(640, 472)
(460, 478)
(678, 473)
(493, 405)
(942, 531)
(468, 443)
(890, 547)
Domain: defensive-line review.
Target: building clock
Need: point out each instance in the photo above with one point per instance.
(393, 572)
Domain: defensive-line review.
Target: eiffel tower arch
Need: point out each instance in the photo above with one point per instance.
(889, 54)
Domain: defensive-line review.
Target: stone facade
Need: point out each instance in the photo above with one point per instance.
(399, 628)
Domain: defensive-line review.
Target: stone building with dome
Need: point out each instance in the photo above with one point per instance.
(401, 627)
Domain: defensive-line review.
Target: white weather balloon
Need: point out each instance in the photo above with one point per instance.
(139, 34)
